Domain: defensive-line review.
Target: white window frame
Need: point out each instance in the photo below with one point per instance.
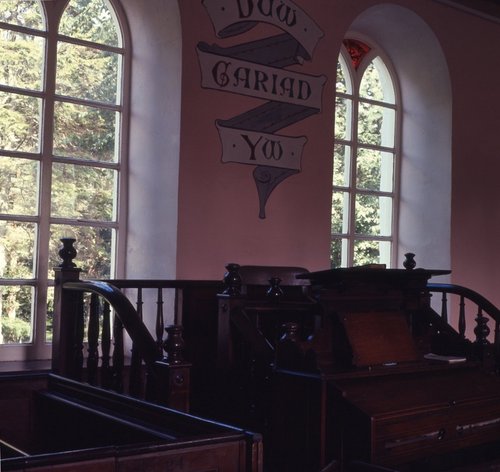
(52, 10)
(348, 235)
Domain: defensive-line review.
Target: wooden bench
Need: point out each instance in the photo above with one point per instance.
(79, 427)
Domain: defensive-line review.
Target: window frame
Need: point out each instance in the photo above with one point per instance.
(39, 348)
(354, 75)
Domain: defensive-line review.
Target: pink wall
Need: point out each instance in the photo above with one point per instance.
(218, 204)
(471, 45)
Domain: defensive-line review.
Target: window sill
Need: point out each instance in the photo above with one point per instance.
(24, 367)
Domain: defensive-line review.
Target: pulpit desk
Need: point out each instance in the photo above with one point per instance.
(370, 393)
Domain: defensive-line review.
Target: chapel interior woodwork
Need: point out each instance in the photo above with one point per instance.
(271, 368)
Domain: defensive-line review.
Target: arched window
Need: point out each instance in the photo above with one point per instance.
(365, 164)
(62, 131)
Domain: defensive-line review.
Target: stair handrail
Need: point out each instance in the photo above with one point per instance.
(487, 352)
(482, 302)
(127, 314)
(167, 374)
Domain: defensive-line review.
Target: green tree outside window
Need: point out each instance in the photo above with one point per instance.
(364, 159)
(85, 114)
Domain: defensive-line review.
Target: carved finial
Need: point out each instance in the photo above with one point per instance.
(67, 253)
(174, 344)
(232, 280)
(482, 330)
(274, 291)
(409, 262)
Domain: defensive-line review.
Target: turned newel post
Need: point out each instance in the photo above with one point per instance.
(173, 372)
(226, 300)
(409, 262)
(67, 337)
(482, 332)
(232, 280)
(67, 253)
(174, 345)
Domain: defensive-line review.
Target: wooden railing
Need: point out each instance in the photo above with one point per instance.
(89, 346)
(470, 304)
(88, 341)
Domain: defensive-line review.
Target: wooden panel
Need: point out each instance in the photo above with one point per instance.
(16, 406)
(449, 428)
(379, 337)
(227, 457)
(296, 433)
(102, 465)
(199, 320)
(395, 419)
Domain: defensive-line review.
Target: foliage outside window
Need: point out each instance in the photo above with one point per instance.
(365, 159)
(60, 135)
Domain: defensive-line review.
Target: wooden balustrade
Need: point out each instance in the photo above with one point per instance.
(470, 304)
(92, 316)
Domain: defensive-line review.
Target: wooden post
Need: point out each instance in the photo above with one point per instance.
(66, 349)
(232, 280)
(172, 376)
(481, 343)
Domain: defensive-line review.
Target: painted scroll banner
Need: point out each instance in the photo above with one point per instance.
(233, 17)
(262, 149)
(258, 69)
(259, 81)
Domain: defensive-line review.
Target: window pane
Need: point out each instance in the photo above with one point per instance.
(84, 132)
(375, 170)
(94, 246)
(17, 242)
(343, 113)
(343, 83)
(16, 314)
(19, 126)
(372, 252)
(341, 165)
(376, 125)
(338, 252)
(376, 83)
(86, 73)
(90, 20)
(21, 60)
(82, 192)
(22, 12)
(370, 86)
(373, 215)
(18, 186)
(340, 212)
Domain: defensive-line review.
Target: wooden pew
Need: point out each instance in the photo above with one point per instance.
(79, 427)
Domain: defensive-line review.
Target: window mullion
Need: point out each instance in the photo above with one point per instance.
(45, 181)
(82, 42)
(353, 176)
